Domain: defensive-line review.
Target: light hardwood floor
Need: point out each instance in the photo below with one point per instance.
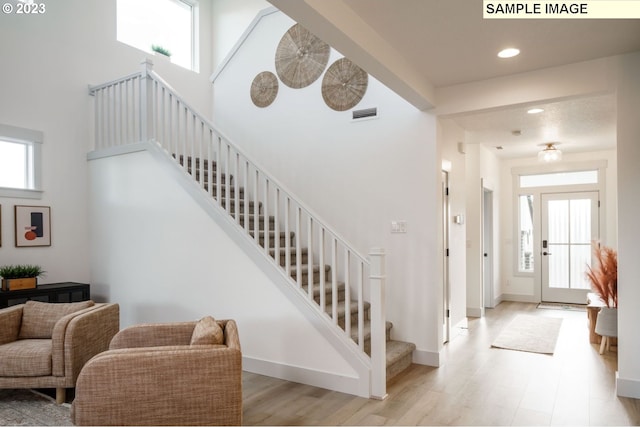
(477, 385)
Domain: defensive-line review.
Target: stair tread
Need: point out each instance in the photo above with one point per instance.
(260, 216)
(241, 202)
(396, 350)
(304, 268)
(367, 330)
(291, 249)
(353, 307)
(271, 233)
(328, 289)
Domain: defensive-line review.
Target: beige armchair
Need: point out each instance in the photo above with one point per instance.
(45, 345)
(161, 374)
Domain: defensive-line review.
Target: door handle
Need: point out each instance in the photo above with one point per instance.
(546, 253)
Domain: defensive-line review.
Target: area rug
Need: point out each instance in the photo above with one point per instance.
(32, 408)
(562, 306)
(535, 334)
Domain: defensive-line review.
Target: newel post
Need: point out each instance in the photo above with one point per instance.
(377, 282)
(146, 106)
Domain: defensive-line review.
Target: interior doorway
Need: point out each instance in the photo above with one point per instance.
(487, 248)
(446, 293)
(569, 225)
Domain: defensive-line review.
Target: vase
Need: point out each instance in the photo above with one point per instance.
(607, 326)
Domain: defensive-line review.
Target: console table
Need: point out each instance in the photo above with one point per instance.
(52, 292)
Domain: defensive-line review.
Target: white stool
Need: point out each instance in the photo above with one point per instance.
(607, 326)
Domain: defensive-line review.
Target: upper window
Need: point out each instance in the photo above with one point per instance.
(559, 178)
(19, 162)
(170, 24)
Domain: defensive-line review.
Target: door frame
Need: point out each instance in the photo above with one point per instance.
(561, 294)
(446, 288)
(488, 300)
(599, 165)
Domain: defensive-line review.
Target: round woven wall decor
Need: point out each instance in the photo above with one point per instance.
(301, 57)
(344, 85)
(264, 89)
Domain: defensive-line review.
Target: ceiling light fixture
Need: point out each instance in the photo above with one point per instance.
(550, 153)
(509, 53)
(535, 111)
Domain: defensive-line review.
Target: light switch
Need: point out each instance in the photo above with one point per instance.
(398, 226)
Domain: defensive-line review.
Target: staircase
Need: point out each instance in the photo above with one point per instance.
(398, 353)
(332, 277)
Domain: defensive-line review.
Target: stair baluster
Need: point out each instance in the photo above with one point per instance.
(142, 107)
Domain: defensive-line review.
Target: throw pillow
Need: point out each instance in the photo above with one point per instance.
(11, 319)
(39, 318)
(207, 332)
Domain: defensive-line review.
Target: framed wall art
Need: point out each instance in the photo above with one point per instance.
(33, 226)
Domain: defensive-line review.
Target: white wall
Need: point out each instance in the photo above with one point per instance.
(47, 63)
(490, 173)
(451, 135)
(156, 252)
(230, 18)
(357, 176)
(482, 172)
(628, 131)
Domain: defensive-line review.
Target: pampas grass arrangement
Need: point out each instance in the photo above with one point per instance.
(604, 276)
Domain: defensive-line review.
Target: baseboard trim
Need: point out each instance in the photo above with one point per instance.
(428, 358)
(497, 300)
(326, 380)
(118, 150)
(519, 298)
(475, 312)
(627, 388)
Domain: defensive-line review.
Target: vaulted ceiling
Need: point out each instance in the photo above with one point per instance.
(418, 46)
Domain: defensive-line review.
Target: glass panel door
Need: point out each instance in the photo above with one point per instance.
(569, 225)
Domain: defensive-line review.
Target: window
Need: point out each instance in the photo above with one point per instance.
(525, 228)
(530, 185)
(171, 24)
(19, 162)
(559, 178)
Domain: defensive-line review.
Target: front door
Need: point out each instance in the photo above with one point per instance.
(569, 225)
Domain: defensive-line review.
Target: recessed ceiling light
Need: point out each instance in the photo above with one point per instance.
(509, 53)
(535, 111)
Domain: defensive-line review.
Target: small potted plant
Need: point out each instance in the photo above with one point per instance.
(23, 276)
(161, 50)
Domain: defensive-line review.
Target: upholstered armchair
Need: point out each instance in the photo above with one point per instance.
(45, 345)
(164, 374)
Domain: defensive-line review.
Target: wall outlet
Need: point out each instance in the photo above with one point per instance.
(398, 226)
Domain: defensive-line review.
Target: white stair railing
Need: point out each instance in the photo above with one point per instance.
(142, 107)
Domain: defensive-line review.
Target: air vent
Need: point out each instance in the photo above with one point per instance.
(365, 113)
